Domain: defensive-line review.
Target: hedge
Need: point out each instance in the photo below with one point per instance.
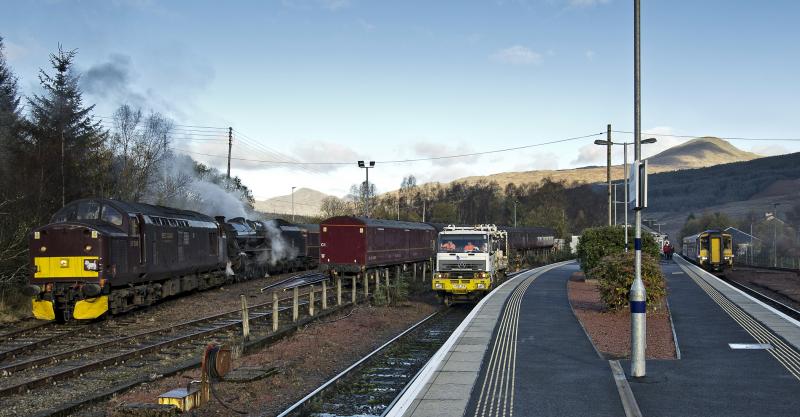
(598, 242)
(614, 276)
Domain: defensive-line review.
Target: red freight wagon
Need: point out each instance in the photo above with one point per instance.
(355, 244)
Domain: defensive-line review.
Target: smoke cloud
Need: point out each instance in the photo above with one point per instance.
(179, 185)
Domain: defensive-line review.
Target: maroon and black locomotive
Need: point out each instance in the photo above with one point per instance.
(102, 255)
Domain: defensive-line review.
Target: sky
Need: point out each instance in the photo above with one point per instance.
(338, 81)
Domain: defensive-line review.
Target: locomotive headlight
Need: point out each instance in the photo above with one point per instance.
(87, 248)
(438, 285)
(481, 286)
(43, 249)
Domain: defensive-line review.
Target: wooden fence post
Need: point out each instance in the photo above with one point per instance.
(388, 288)
(311, 302)
(245, 319)
(338, 291)
(366, 285)
(274, 311)
(295, 303)
(353, 293)
(324, 295)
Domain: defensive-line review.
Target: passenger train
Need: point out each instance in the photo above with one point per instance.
(712, 250)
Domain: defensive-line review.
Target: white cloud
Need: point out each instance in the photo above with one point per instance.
(770, 150)
(590, 154)
(332, 5)
(586, 3)
(316, 151)
(537, 161)
(437, 149)
(336, 4)
(517, 55)
(13, 51)
(368, 27)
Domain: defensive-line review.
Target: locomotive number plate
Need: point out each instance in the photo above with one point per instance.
(460, 286)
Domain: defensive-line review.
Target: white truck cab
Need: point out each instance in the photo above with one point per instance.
(469, 261)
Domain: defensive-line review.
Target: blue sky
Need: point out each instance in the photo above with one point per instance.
(341, 80)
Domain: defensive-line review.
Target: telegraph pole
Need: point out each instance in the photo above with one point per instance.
(638, 294)
(608, 170)
(230, 145)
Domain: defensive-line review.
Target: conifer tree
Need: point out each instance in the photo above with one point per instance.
(67, 144)
(9, 122)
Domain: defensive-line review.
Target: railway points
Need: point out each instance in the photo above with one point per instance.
(523, 352)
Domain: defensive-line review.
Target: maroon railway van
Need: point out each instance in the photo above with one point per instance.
(355, 244)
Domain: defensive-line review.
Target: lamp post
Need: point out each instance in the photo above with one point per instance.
(515, 212)
(638, 293)
(775, 235)
(659, 226)
(366, 166)
(625, 172)
(293, 203)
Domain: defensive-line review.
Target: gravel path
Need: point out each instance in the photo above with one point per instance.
(306, 359)
(611, 331)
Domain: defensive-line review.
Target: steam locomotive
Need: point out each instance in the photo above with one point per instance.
(102, 255)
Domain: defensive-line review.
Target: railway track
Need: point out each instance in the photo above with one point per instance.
(369, 386)
(48, 383)
(760, 294)
(23, 347)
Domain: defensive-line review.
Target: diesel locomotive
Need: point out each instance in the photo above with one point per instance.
(712, 250)
(100, 256)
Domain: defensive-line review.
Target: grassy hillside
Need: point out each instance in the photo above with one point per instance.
(696, 153)
(697, 189)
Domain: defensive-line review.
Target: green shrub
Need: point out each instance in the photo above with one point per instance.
(598, 242)
(614, 274)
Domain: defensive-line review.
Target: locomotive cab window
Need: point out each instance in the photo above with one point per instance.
(111, 215)
(66, 214)
(88, 210)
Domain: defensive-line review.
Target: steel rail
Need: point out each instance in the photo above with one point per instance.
(16, 366)
(153, 347)
(354, 366)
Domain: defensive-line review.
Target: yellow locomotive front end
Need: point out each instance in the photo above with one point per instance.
(461, 286)
(68, 279)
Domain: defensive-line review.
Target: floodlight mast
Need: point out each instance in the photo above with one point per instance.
(366, 191)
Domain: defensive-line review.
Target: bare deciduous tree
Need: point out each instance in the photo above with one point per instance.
(141, 145)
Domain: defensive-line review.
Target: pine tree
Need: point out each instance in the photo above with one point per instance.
(9, 123)
(70, 157)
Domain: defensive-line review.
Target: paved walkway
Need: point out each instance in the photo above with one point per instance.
(443, 387)
(550, 367)
(711, 379)
(523, 352)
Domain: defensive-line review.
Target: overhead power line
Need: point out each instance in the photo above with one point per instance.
(721, 137)
(515, 148)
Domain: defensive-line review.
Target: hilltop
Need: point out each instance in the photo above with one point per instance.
(696, 153)
(307, 202)
(699, 153)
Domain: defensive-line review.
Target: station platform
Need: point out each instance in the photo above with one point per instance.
(522, 351)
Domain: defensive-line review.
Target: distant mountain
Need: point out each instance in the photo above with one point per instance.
(307, 202)
(734, 189)
(700, 152)
(696, 153)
